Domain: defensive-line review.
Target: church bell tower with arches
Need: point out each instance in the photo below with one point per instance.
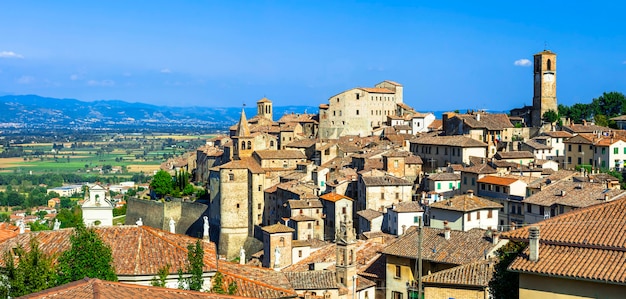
(544, 92)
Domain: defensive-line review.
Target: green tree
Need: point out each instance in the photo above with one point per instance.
(33, 271)
(88, 256)
(195, 260)
(601, 120)
(161, 183)
(610, 104)
(159, 280)
(505, 284)
(218, 285)
(70, 218)
(550, 116)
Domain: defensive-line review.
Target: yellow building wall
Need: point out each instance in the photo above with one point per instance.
(543, 287)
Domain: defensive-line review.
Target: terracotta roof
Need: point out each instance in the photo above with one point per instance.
(514, 155)
(366, 252)
(387, 180)
(305, 204)
(313, 280)
(476, 274)
(461, 248)
(444, 176)
(264, 100)
(369, 214)
(496, 180)
(393, 83)
(95, 288)
(303, 143)
(280, 154)
(536, 145)
(465, 203)
(256, 282)
(407, 207)
(558, 134)
(585, 128)
(586, 243)
(8, 230)
(363, 283)
(413, 160)
(437, 124)
(334, 197)
(455, 140)
(132, 247)
(488, 121)
(573, 194)
(376, 90)
(243, 163)
(277, 228)
(479, 169)
(299, 218)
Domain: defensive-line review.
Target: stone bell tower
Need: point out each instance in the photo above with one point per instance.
(544, 92)
(346, 253)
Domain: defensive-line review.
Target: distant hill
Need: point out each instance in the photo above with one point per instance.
(33, 112)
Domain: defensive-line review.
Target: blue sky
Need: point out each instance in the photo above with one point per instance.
(447, 54)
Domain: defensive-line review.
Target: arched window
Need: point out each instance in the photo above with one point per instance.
(351, 258)
(271, 143)
(549, 65)
(243, 145)
(249, 145)
(282, 241)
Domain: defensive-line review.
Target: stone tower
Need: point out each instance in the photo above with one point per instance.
(264, 108)
(243, 145)
(346, 253)
(544, 94)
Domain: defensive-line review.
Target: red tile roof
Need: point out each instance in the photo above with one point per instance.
(476, 274)
(495, 180)
(96, 288)
(334, 197)
(587, 243)
(461, 248)
(377, 90)
(132, 247)
(465, 203)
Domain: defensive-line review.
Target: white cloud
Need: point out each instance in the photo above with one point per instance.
(26, 80)
(100, 83)
(522, 62)
(10, 54)
(166, 71)
(74, 77)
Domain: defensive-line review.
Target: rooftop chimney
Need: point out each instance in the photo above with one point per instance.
(470, 193)
(513, 225)
(534, 243)
(606, 197)
(477, 116)
(562, 192)
(446, 230)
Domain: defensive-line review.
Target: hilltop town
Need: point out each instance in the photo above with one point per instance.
(372, 198)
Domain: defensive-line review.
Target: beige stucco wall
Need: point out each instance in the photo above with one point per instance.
(435, 292)
(540, 287)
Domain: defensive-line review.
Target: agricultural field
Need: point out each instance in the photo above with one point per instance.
(111, 154)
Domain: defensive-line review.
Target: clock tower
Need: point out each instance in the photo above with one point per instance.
(544, 94)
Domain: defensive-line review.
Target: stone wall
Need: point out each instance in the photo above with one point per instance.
(157, 214)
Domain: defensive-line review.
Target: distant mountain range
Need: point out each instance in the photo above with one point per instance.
(34, 113)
